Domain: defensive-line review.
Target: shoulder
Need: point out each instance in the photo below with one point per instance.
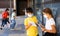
(34, 17)
(26, 19)
(52, 21)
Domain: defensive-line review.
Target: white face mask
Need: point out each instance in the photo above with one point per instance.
(45, 16)
(30, 15)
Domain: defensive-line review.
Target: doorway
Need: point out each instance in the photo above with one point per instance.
(21, 4)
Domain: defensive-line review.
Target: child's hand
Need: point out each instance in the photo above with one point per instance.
(43, 29)
(42, 26)
(27, 26)
(32, 23)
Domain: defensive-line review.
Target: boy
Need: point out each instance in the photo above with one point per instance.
(13, 21)
(31, 23)
(5, 18)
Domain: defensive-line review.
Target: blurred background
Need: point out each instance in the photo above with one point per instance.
(37, 6)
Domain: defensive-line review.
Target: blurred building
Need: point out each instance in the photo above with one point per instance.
(19, 5)
(5, 3)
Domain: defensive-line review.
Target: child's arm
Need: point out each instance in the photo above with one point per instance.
(42, 26)
(27, 26)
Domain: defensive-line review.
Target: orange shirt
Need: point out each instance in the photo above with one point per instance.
(5, 14)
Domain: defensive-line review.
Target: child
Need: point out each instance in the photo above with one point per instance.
(13, 21)
(50, 27)
(30, 23)
(5, 18)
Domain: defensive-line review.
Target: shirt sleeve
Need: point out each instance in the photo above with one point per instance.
(25, 22)
(13, 14)
(52, 22)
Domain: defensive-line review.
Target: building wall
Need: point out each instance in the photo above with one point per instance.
(5, 3)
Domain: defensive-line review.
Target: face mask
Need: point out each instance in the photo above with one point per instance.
(45, 16)
(30, 15)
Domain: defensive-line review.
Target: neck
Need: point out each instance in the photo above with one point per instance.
(49, 17)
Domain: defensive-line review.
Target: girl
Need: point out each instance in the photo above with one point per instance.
(50, 28)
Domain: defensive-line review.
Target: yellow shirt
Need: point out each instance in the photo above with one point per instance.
(32, 30)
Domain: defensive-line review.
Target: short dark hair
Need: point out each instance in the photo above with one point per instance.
(14, 10)
(7, 9)
(29, 10)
